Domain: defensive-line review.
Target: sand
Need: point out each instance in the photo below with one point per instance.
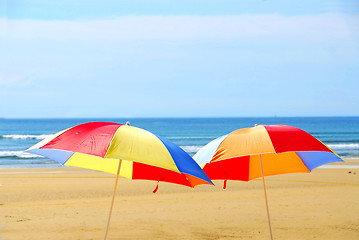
(73, 203)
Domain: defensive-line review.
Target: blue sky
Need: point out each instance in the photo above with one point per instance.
(178, 58)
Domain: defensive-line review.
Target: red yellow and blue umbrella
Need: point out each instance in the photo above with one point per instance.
(123, 150)
(143, 155)
(263, 150)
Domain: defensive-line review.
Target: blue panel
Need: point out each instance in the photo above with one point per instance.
(60, 156)
(316, 159)
(183, 161)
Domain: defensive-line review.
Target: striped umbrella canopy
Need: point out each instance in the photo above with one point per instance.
(124, 150)
(263, 150)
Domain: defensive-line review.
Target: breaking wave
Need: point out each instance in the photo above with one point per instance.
(25, 137)
(17, 154)
(191, 149)
(348, 146)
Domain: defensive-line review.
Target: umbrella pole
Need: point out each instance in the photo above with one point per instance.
(265, 196)
(113, 199)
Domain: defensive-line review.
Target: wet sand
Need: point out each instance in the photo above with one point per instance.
(73, 203)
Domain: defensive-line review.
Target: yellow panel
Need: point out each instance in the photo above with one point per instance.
(242, 142)
(109, 165)
(274, 164)
(126, 169)
(138, 145)
(202, 165)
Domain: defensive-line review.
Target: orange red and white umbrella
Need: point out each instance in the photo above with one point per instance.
(281, 149)
(263, 150)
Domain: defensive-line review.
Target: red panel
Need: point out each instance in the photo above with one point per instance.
(230, 169)
(287, 139)
(147, 172)
(92, 138)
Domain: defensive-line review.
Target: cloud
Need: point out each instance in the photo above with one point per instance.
(132, 63)
(12, 79)
(324, 27)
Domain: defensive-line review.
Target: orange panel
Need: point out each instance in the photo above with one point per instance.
(274, 164)
(246, 141)
(195, 180)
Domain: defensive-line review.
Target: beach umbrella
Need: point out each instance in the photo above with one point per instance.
(123, 150)
(260, 151)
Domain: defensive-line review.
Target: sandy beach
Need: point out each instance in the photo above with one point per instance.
(73, 203)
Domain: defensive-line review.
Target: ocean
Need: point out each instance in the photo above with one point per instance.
(341, 134)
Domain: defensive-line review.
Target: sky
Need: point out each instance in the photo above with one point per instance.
(188, 58)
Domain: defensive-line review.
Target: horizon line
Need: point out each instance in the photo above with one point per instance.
(183, 117)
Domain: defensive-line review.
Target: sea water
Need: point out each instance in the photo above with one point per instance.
(341, 134)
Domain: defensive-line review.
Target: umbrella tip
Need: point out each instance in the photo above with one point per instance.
(128, 123)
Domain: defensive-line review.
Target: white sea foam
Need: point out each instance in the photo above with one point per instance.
(19, 154)
(191, 149)
(344, 146)
(26, 137)
(191, 137)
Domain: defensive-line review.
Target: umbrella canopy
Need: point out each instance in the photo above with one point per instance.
(250, 153)
(143, 155)
(282, 149)
(123, 150)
